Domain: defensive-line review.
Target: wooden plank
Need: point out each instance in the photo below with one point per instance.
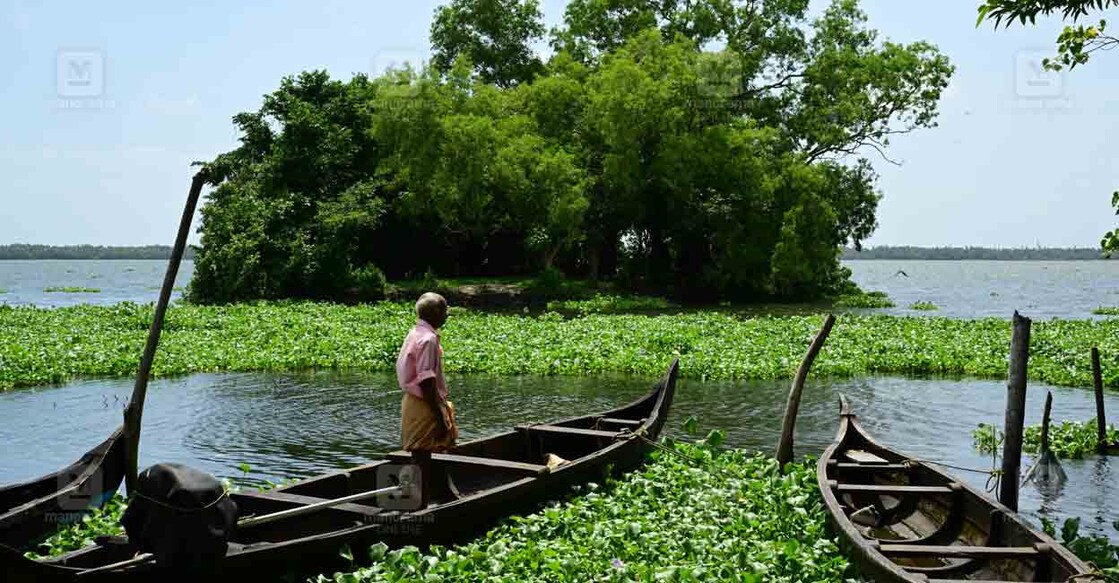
(302, 500)
(627, 422)
(973, 581)
(873, 467)
(889, 489)
(557, 430)
(959, 552)
(863, 457)
(493, 463)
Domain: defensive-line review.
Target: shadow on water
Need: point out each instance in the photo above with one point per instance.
(297, 425)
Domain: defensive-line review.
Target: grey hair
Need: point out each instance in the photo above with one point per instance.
(430, 305)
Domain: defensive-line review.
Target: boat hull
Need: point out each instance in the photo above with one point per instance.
(33, 510)
(904, 520)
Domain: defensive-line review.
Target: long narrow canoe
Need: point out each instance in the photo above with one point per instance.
(31, 510)
(492, 478)
(905, 520)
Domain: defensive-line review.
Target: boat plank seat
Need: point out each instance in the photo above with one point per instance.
(560, 430)
(972, 581)
(864, 457)
(302, 500)
(616, 421)
(469, 460)
(959, 552)
(873, 467)
(889, 489)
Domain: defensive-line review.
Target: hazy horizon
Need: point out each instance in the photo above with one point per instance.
(1021, 157)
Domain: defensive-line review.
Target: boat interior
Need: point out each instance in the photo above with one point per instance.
(928, 524)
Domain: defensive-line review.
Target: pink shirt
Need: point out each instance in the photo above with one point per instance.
(421, 358)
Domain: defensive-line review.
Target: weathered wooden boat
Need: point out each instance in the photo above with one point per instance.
(31, 510)
(492, 478)
(905, 520)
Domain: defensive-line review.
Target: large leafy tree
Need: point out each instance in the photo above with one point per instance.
(707, 149)
(496, 36)
(1075, 45)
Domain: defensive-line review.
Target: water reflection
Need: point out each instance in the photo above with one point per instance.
(302, 424)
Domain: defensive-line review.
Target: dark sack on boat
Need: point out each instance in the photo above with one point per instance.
(181, 515)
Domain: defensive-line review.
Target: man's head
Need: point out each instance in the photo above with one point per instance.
(432, 308)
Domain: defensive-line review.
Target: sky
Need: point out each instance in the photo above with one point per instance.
(105, 105)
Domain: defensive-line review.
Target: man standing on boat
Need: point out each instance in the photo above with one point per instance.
(427, 417)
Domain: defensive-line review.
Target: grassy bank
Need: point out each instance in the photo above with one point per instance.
(44, 346)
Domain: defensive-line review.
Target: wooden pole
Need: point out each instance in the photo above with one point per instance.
(1015, 411)
(135, 410)
(1101, 419)
(785, 445)
(1045, 422)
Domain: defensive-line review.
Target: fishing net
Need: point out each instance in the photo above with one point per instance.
(181, 515)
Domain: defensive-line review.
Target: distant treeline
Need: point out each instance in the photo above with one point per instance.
(23, 251)
(982, 253)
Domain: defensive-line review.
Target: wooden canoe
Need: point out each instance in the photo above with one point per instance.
(905, 520)
(495, 477)
(32, 510)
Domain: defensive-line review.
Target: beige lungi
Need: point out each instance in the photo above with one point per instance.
(419, 428)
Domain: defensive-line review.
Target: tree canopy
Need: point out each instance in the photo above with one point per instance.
(705, 149)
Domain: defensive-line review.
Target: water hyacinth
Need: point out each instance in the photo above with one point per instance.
(736, 519)
(1067, 439)
(46, 346)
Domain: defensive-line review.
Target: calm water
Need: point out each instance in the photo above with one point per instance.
(25, 282)
(975, 289)
(300, 425)
(961, 289)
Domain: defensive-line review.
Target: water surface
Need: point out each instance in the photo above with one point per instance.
(303, 424)
(976, 289)
(24, 282)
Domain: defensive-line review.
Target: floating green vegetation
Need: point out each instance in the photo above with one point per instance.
(3, 290)
(47, 346)
(610, 304)
(1068, 439)
(72, 290)
(736, 518)
(874, 299)
(923, 306)
(1096, 549)
(103, 521)
(1106, 311)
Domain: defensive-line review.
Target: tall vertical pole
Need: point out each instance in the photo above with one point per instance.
(785, 444)
(135, 410)
(1101, 419)
(1015, 411)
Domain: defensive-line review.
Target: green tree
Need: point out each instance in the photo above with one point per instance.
(1075, 45)
(293, 202)
(496, 36)
(641, 151)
